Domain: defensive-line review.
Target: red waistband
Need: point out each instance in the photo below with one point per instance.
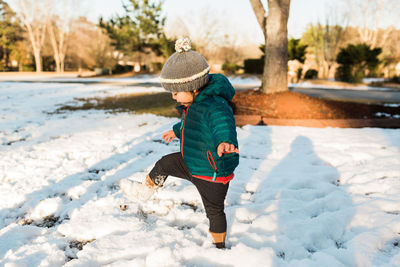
(222, 180)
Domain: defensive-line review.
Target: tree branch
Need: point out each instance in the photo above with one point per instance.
(260, 12)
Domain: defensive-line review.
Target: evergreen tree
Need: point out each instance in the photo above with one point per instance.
(355, 60)
(10, 34)
(296, 50)
(139, 30)
(166, 47)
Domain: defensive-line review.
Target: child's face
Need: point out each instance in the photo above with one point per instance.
(185, 98)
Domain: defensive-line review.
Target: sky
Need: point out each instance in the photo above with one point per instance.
(238, 16)
(235, 17)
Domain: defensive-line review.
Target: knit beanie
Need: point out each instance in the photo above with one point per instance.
(185, 70)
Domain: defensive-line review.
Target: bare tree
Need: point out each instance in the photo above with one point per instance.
(390, 54)
(369, 15)
(91, 47)
(229, 50)
(58, 44)
(212, 35)
(58, 26)
(206, 31)
(34, 15)
(274, 27)
(324, 42)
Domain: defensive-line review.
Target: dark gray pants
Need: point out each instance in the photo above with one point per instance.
(212, 194)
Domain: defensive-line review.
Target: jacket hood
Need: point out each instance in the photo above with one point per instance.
(218, 85)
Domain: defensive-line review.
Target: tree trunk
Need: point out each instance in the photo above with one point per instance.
(62, 50)
(36, 31)
(276, 47)
(38, 60)
(36, 48)
(53, 40)
(6, 59)
(62, 55)
(62, 63)
(57, 61)
(276, 44)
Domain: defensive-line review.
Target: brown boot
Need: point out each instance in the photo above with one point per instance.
(138, 191)
(148, 182)
(219, 239)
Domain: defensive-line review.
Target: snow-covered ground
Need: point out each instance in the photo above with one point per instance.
(300, 197)
(71, 78)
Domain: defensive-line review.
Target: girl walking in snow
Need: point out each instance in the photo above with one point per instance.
(208, 144)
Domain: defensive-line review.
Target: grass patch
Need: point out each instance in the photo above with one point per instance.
(156, 103)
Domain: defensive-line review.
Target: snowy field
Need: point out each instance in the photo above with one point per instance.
(300, 197)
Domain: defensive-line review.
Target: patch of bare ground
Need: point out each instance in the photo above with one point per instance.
(291, 108)
(157, 103)
(292, 105)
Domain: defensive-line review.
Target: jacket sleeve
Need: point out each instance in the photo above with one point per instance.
(177, 129)
(222, 124)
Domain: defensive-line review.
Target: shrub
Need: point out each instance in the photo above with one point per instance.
(355, 60)
(311, 74)
(28, 68)
(254, 66)
(118, 69)
(395, 79)
(296, 50)
(230, 68)
(48, 63)
(299, 73)
(343, 73)
(144, 68)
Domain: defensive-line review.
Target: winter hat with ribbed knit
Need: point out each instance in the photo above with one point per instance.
(185, 70)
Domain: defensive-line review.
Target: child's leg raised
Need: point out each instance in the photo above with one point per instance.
(171, 164)
(168, 165)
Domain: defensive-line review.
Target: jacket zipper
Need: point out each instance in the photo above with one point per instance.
(183, 129)
(212, 163)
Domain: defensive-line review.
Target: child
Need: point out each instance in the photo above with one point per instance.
(207, 132)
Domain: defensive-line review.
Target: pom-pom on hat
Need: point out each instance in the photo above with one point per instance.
(185, 70)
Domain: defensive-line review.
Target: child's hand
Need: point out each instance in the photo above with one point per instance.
(168, 136)
(226, 148)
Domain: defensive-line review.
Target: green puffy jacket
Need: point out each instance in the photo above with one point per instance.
(206, 123)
